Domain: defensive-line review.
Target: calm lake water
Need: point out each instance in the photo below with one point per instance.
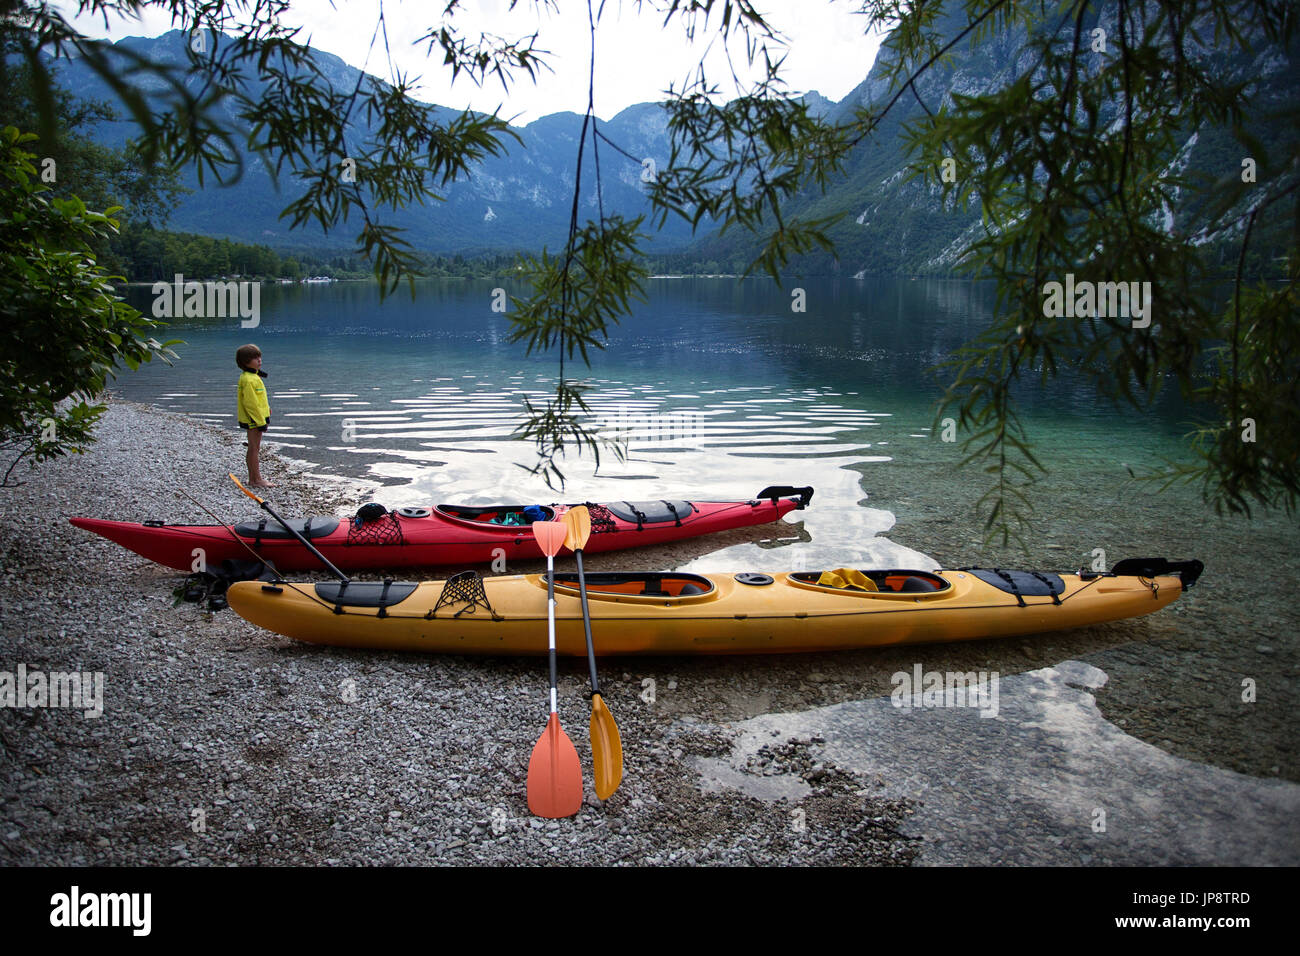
(719, 387)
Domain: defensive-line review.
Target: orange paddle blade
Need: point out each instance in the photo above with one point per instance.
(554, 774)
(606, 749)
(550, 535)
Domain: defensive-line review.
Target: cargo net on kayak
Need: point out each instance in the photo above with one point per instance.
(602, 519)
(384, 529)
(465, 588)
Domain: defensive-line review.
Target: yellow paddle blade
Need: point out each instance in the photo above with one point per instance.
(578, 522)
(243, 489)
(606, 749)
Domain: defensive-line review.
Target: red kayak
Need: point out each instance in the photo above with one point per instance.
(445, 535)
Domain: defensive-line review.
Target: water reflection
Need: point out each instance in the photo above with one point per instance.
(716, 387)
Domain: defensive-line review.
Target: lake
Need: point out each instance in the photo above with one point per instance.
(717, 385)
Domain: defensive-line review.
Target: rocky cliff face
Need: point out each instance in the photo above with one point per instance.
(522, 200)
(893, 225)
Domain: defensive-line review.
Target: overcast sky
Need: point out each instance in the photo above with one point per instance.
(636, 56)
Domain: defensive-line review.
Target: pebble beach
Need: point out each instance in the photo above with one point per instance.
(220, 743)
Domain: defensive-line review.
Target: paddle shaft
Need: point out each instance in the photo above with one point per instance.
(550, 625)
(586, 624)
(606, 746)
(554, 770)
(306, 544)
(238, 540)
(285, 525)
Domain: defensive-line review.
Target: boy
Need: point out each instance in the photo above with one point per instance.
(253, 411)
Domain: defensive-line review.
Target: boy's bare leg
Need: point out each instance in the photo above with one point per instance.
(254, 467)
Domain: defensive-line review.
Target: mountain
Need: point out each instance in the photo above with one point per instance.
(521, 199)
(893, 224)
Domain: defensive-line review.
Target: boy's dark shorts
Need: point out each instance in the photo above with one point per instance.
(260, 428)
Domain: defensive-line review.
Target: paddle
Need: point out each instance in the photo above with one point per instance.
(606, 746)
(284, 524)
(554, 773)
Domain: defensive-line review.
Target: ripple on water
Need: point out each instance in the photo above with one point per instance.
(454, 435)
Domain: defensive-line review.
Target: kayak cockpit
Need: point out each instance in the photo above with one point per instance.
(666, 585)
(509, 516)
(889, 581)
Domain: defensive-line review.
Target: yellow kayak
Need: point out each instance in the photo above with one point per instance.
(675, 612)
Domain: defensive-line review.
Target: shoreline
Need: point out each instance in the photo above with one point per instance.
(297, 754)
(305, 756)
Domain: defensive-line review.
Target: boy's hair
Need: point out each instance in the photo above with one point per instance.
(245, 354)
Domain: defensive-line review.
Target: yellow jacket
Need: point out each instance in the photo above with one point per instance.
(254, 410)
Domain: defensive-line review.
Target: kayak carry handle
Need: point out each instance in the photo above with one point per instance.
(1188, 571)
(801, 495)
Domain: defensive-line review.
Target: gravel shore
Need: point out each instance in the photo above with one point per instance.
(222, 744)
